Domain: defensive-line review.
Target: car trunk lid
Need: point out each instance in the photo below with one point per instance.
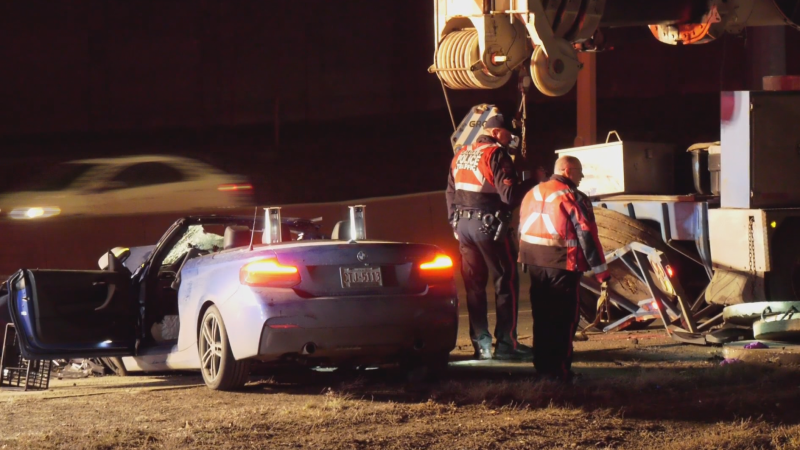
(363, 268)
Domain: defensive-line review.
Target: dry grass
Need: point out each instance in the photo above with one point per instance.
(732, 407)
(739, 390)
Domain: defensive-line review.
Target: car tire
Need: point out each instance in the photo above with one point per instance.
(221, 371)
(115, 365)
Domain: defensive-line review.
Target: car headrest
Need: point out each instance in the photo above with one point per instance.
(236, 236)
(341, 231)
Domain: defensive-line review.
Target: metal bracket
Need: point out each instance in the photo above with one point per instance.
(614, 132)
(638, 257)
(542, 34)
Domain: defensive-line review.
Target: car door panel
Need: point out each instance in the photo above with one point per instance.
(66, 313)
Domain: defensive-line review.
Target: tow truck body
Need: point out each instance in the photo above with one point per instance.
(679, 256)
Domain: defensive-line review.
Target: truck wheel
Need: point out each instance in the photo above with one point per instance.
(783, 281)
(615, 231)
(220, 370)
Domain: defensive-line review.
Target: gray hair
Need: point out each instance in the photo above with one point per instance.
(565, 162)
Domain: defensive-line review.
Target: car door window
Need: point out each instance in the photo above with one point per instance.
(146, 174)
(195, 236)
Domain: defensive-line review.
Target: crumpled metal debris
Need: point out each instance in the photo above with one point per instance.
(80, 368)
(754, 345)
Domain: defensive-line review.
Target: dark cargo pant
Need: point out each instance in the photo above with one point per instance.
(481, 255)
(554, 303)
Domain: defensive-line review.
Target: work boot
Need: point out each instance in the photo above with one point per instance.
(507, 353)
(483, 351)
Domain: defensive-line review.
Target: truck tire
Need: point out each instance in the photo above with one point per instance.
(615, 231)
(746, 313)
(775, 329)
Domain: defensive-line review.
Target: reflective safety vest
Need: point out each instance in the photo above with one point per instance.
(472, 170)
(557, 229)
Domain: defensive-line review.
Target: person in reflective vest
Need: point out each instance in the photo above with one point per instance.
(482, 191)
(558, 243)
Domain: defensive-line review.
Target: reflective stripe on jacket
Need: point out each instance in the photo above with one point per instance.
(557, 229)
(485, 181)
(472, 170)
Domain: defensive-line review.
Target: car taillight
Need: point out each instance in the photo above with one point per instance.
(269, 273)
(441, 264)
(235, 187)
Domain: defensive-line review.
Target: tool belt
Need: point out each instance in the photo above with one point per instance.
(471, 214)
(496, 225)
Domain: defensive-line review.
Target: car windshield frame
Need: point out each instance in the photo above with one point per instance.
(304, 229)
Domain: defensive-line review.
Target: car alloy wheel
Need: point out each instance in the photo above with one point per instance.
(221, 371)
(210, 348)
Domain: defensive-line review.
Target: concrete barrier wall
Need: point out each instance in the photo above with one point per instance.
(77, 243)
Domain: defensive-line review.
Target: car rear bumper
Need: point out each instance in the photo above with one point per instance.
(335, 330)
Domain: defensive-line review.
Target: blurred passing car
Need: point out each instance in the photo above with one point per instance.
(206, 297)
(126, 185)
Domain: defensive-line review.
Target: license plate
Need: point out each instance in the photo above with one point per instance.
(353, 277)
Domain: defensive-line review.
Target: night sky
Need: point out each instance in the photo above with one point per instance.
(357, 113)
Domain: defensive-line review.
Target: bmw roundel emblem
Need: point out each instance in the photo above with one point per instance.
(361, 256)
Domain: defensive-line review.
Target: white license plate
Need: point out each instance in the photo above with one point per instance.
(353, 277)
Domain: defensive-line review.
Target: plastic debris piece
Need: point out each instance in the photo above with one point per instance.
(756, 344)
(728, 361)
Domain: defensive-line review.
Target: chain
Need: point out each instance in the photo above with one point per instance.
(522, 112)
(752, 249)
(447, 101)
(524, 149)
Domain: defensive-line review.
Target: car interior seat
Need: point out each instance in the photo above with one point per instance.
(286, 233)
(236, 236)
(341, 231)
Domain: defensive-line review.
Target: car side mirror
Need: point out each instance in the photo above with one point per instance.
(119, 253)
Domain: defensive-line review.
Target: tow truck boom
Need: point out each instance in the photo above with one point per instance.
(479, 43)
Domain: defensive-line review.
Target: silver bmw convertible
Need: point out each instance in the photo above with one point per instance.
(218, 293)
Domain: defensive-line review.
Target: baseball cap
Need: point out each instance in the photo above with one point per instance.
(495, 122)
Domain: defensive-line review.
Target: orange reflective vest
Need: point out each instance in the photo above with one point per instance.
(557, 229)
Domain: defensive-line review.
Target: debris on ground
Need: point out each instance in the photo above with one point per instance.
(79, 368)
(754, 345)
(728, 361)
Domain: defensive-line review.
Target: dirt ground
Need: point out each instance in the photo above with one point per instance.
(637, 390)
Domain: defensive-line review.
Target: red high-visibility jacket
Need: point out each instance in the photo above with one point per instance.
(557, 229)
(482, 176)
(472, 170)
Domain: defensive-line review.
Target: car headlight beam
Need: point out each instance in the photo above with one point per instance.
(34, 212)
